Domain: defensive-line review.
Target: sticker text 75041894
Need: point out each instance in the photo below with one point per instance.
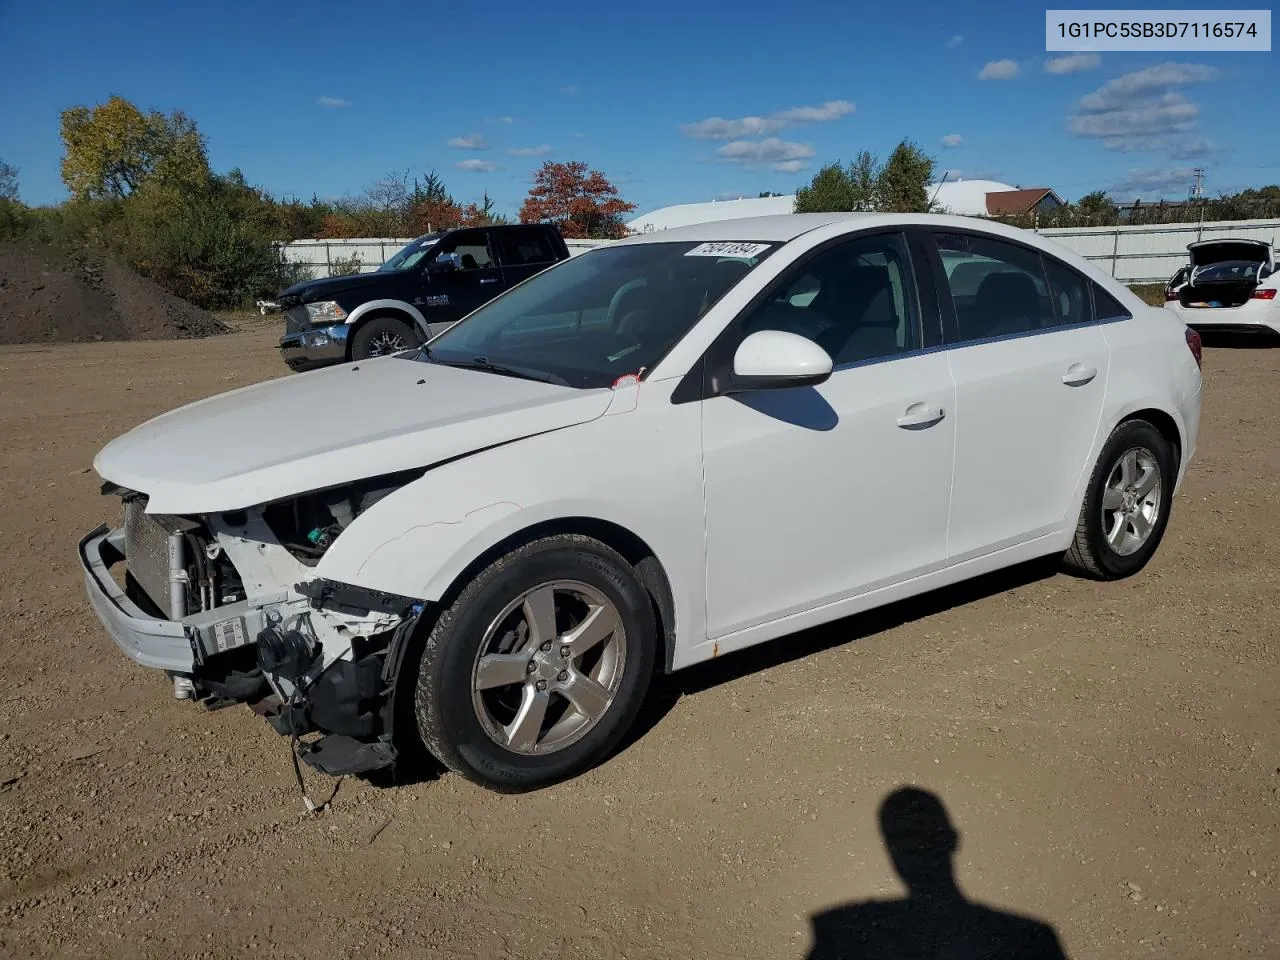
(727, 248)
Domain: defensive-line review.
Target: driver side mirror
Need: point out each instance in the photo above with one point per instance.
(444, 263)
(775, 360)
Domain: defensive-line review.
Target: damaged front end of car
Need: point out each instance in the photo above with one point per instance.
(229, 605)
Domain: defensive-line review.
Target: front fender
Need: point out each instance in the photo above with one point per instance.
(418, 540)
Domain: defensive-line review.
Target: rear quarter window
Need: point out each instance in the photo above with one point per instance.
(1107, 307)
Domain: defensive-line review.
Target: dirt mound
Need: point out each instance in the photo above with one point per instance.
(50, 293)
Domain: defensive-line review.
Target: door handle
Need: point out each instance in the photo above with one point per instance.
(918, 416)
(488, 279)
(1078, 375)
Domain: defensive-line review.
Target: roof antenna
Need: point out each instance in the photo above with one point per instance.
(945, 174)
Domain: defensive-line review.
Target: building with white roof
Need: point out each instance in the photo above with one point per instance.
(965, 198)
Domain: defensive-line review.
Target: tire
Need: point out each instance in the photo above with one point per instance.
(477, 699)
(1123, 517)
(380, 337)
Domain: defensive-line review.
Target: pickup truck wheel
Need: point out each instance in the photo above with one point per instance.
(1126, 507)
(538, 668)
(381, 337)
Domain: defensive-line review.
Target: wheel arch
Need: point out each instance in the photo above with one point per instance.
(653, 576)
(1165, 424)
(399, 309)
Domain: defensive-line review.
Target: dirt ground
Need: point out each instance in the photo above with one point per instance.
(1108, 753)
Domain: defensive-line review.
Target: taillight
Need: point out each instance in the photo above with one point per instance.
(1264, 293)
(1194, 345)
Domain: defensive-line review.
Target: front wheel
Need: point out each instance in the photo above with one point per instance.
(1126, 507)
(538, 668)
(381, 337)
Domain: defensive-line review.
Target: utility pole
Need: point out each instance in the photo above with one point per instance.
(1197, 191)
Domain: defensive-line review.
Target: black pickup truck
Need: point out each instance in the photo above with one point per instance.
(425, 288)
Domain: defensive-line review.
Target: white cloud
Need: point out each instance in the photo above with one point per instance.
(577, 134)
(999, 70)
(540, 151)
(1123, 89)
(1142, 111)
(785, 156)
(569, 89)
(1072, 63)
(1154, 184)
(956, 40)
(333, 102)
(476, 165)
(718, 128)
(504, 119)
(952, 140)
(1191, 148)
(474, 141)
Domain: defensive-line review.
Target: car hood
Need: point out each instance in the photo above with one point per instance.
(310, 291)
(314, 430)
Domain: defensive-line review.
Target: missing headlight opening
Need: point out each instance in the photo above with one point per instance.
(308, 524)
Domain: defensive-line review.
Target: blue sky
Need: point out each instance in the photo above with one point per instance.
(675, 102)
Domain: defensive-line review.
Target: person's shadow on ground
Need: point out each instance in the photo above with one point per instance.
(934, 920)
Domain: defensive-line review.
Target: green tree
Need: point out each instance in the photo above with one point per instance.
(8, 181)
(1096, 208)
(110, 150)
(903, 182)
(839, 188)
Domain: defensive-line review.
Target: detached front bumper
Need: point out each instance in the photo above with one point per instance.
(151, 642)
(319, 347)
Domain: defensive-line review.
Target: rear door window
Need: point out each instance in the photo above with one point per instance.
(1069, 292)
(998, 289)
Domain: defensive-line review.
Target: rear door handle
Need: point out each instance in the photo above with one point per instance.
(919, 416)
(1078, 375)
(488, 279)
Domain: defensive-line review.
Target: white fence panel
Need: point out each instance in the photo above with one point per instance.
(1131, 254)
(1152, 254)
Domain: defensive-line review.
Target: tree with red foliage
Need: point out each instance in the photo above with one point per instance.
(581, 203)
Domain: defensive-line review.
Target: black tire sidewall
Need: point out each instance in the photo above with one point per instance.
(1135, 433)
(446, 714)
(378, 325)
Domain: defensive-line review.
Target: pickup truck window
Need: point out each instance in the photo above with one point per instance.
(471, 246)
(600, 315)
(523, 245)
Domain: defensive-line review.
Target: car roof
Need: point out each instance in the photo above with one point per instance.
(785, 227)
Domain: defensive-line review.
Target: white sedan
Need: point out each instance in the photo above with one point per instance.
(666, 449)
(1228, 286)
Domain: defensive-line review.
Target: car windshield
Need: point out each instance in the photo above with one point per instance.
(409, 255)
(598, 316)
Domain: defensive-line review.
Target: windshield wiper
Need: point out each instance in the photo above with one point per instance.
(488, 366)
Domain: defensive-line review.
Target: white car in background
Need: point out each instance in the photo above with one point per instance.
(1229, 286)
(669, 448)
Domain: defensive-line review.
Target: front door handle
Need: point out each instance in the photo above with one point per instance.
(1078, 375)
(488, 279)
(919, 416)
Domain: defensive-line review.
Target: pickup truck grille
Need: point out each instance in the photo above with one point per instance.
(295, 319)
(153, 555)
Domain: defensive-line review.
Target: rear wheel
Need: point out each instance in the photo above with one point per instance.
(381, 337)
(1126, 507)
(539, 667)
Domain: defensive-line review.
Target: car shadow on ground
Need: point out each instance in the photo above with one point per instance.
(668, 689)
(935, 918)
(1239, 340)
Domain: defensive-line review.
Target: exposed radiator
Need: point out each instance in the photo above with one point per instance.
(156, 558)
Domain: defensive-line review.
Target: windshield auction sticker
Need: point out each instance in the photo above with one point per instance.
(1234, 31)
(728, 248)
